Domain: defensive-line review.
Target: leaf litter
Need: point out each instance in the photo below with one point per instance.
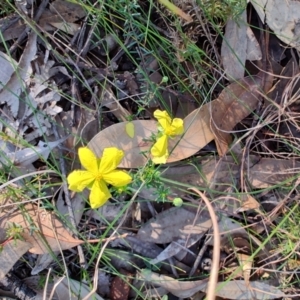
(106, 98)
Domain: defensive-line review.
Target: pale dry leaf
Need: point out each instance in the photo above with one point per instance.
(70, 11)
(78, 202)
(181, 289)
(270, 171)
(43, 261)
(8, 65)
(109, 212)
(282, 17)
(234, 47)
(228, 229)
(234, 103)
(240, 289)
(176, 248)
(248, 203)
(253, 47)
(45, 232)
(43, 90)
(11, 253)
(62, 15)
(12, 90)
(14, 30)
(116, 136)
(173, 223)
(246, 262)
(197, 134)
(25, 157)
(155, 292)
(78, 290)
(69, 28)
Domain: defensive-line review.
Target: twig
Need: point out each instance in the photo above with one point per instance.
(213, 278)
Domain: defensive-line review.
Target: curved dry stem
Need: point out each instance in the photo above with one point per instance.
(213, 278)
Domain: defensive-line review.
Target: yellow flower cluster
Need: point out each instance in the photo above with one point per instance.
(168, 129)
(102, 171)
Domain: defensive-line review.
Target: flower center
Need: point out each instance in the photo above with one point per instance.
(98, 176)
(168, 131)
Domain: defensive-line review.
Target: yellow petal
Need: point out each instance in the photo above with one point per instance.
(163, 118)
(117, 178)
(88, 159)
(160, 148)
(78, 180)
(161, 159)
(99, 194)
(110, 159)
(177, 127)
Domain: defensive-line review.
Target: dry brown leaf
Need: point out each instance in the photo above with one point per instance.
(181, 289)
(248, 203)
(246, 262)
(11, 253)
(197, 135)
(177, 249)
(271, 171)
(234, 103)
(44, 232)
(240, 289)
(116, 136)
(173, 223)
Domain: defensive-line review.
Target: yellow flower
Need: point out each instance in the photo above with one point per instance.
(99, 173)
(169, 128)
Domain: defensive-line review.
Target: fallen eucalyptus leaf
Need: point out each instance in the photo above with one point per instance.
(271, 171)
(240, 289)
(234, 103)
(173, 223)
(197, 135)
(40, 228)
(181, 289)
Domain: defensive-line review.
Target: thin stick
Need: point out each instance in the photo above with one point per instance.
(213, 278)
